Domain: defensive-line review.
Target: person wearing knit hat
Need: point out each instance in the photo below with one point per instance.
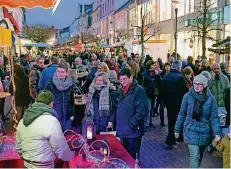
(45, 97)
(39, 138)
(202, 81)
(199, 116)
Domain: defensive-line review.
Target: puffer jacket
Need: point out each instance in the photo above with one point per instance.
(41, 142)
(149, 83)
(34, 76)
(198, 132)
(131, 111)
(46, 75)
(218, 89)
(63, 103)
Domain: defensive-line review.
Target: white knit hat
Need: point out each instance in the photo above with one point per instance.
(202, 79)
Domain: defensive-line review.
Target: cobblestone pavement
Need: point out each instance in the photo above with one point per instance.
(155, 155)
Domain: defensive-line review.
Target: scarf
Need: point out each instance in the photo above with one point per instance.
(199, 101)
(104, 100)
(60, 84)
(36, 110)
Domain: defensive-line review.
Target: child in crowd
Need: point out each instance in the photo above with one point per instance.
(224, 146)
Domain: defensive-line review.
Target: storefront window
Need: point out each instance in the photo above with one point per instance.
(166, 37)
(213, 3)
(181, 8)
(180, 43)
(189, 6)
(227, 2)
(165, 9)
(227, 30)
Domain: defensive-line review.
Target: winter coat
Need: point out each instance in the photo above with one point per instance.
(21, 82)
(131, 111)
(2, 74)
(174, 88)
(46, 75)
(149, 83)
(63, 103)
(218, 89)
(198, 132)
(102, 122)
(193, 67)
(26, 65)
(227, 106)
(226, 73)
(40, 143)
(224, 146)
(34, 76)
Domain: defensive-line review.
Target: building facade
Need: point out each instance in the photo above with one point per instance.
(163, 14)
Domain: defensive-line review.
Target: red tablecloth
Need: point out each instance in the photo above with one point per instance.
(117, 150)
(9, 158)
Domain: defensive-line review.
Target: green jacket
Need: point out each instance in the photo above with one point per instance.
(218, 89)
(224, 146)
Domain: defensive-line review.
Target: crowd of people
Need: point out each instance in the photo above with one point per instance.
(123, 93)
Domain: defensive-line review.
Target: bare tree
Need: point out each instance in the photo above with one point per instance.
(143, 29)
(204, 21)
(122, 33)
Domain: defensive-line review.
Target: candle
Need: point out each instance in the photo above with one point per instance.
(105, 151)
(89, 132)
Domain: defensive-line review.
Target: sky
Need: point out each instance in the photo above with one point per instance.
(65, 14)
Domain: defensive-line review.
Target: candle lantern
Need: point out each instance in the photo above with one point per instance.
(88, 127)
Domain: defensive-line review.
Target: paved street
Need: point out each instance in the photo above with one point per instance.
(154, 154)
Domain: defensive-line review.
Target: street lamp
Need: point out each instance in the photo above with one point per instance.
(175, 4)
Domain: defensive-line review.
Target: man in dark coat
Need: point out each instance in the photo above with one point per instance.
(34, 76)
(25, 62)
(174, 88)
(48, 73)
(131, 111)
(61, 86)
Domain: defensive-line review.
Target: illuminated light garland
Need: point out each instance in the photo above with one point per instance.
(15, 121)
(94, 157)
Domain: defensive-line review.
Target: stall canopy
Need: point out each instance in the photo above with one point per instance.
(78, 46)
(38, 45)
(5, 37)
(27, 3)
(31, 3)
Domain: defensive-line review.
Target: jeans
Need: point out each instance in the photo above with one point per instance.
(196, 154)
(132, 145)
(148, 118)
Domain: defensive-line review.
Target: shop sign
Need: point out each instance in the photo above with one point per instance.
(214, 17)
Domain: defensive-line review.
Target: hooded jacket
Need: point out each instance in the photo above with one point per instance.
(39, 138)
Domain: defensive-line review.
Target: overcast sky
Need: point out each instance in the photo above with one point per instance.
(63, 17)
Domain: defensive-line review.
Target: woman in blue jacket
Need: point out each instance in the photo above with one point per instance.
(199, 119)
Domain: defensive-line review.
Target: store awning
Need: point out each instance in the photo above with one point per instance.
(5, 37)
(78, 46)
(28, 3)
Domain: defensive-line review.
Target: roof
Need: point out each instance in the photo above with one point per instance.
(124, 6)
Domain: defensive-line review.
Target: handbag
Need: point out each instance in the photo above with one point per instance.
(80, 98)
